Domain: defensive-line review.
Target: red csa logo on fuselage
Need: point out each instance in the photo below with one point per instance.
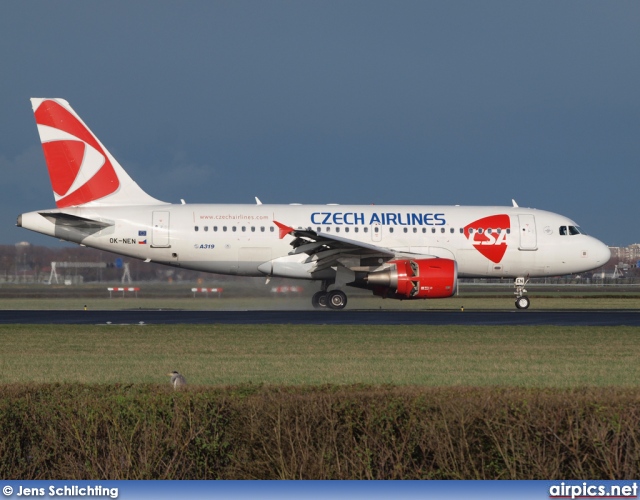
(489, 236)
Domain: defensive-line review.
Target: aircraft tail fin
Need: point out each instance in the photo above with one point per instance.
(81, 170)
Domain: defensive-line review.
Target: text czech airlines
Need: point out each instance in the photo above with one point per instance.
(383, 219)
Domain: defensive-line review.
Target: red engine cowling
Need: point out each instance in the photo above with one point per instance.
(416, 279)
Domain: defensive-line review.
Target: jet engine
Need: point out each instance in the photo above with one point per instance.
(415, 279)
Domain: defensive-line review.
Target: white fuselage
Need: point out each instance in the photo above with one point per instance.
(401, 252)
(243, 239)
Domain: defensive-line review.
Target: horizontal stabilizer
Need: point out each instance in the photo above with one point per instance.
(68, 220)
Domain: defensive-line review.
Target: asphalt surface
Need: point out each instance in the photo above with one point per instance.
(347, 317)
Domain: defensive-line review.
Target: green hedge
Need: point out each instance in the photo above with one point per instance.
(333, 432)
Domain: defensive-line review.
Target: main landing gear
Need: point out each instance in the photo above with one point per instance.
(335, 299)
(522, 301)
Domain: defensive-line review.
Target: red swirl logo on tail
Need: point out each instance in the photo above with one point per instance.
(79, 168)
(489, 236)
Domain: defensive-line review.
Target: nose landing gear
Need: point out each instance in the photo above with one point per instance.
(522, 301)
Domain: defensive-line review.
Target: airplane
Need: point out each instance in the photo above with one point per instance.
(396, 251)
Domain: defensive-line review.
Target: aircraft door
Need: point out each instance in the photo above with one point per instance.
(528, 237)
(160, 229)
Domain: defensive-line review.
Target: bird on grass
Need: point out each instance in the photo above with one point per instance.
(177, 380)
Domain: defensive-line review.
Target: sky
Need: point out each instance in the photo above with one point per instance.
(350, 102)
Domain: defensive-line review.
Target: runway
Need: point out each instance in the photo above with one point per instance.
(622, 317)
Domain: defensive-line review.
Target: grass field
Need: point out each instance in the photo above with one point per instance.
(317, 401)
(549, 356)
(310, 355)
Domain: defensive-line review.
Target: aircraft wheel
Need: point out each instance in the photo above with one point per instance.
(523, 302)
(319, 300)
(337, 299)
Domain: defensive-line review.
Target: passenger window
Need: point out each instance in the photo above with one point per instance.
(415, 229)
(206, 228)
(337, 230)
(498, 230)
(224, 228)
(563, 230)
(470, 230)
(461, 230)
(253, 229)
(405, 229)
(442, 230)
(452, 230)
(346, 229)
(355, 229)
(196, 228)
(508, 231)
(433, 230)
(234, 228)
(391, 230)
(244, 229)
(479, 230)
(366, 229)
(272, 229)
(262, 229)
(376, 229)
(489, 231)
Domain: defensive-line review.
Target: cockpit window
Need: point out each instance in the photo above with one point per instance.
(571, 230)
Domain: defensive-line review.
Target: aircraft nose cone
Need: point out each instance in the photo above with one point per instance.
(601, 253)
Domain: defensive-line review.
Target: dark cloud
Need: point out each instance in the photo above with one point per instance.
(348, 102)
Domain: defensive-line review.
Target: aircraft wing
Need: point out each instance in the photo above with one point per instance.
(328, 250)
